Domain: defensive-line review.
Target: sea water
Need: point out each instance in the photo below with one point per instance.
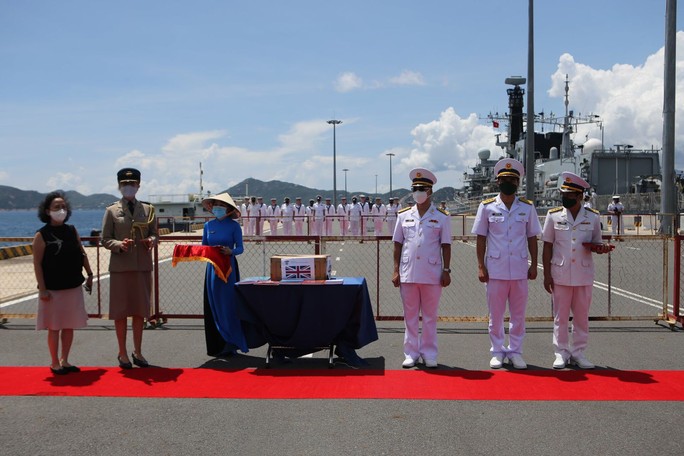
(25, 223)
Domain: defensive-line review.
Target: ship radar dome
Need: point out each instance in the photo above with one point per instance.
(591, 145)
(483, 154)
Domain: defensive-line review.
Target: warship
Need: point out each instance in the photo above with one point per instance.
(633, 174)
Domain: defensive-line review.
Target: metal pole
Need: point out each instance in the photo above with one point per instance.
(334, 123)
(390, 155)
(346, 195)
(668, 202)
(529, 138)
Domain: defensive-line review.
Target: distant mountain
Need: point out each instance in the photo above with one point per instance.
(14, 198)
(279, 190)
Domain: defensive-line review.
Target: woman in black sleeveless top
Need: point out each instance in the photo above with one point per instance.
(58, 262)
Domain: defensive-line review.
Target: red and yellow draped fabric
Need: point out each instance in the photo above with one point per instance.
(206, 253)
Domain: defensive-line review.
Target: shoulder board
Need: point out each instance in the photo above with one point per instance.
(591, 209)
(490, 200)
(146, 202)
(555, 209)
(112, 204)
(404, 209)
(443, 211)
(524, 200)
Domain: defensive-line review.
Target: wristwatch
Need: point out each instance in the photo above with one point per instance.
(447, 270)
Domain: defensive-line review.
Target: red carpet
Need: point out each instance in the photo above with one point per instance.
(531, 385)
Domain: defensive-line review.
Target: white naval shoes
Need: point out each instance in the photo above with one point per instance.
(582, 362)
(408, 362)
(431, 363)
(496, 362)
(559, 362)
(517, 361)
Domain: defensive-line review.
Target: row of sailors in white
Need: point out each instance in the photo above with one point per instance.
(353, 218)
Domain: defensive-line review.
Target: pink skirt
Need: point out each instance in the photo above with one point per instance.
(64, 310)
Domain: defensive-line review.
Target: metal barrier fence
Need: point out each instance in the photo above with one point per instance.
(631, 283)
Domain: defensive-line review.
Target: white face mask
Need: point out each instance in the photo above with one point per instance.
(58, 216)
(128, 191)
(420, 197)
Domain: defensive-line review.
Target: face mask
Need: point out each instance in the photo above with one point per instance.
(420, 197)
(508, 188)
(58, 216)
(219, 212)
(568, 202)
(128, 191)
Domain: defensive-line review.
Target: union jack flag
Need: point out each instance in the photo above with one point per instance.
(298, 271)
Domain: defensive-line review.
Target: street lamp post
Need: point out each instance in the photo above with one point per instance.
(376, 185)
(346, 195)
(334, 123)
(390, 155)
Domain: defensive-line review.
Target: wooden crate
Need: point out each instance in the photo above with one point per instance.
(299, 265)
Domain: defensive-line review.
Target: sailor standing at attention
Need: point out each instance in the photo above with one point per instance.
(378, 213)
(299, 216)
(273, 215)
(391, 211)
(287, 215)
(615, 209)
(570, 234)
(343, 216)
(329, 214)
(507, 228)
(422, 254)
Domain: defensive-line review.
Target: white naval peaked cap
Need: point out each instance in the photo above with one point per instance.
(509, 167)
(422, 176)
(571, 182)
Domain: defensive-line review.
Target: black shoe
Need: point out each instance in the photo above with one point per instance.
(139, 362)
(124, 365)
(71, 368)
(60, 371)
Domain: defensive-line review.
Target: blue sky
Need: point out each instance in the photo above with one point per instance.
(88, 87)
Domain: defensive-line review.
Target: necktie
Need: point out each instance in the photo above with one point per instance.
(131, 207)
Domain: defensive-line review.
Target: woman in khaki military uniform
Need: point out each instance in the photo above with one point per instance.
(129, 231)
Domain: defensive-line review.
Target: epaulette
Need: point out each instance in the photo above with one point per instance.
(591, 209)
(443, 211)
(555, 209)
(146, 202)
(404, 209)
(525, 200)
(490, 200)
(113, 203)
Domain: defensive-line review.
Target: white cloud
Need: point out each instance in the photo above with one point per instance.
(68, 181)
(448, 145)
(628, 98)
(347, 82)
(408, 77)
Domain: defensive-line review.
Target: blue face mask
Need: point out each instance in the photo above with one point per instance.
(219, 212)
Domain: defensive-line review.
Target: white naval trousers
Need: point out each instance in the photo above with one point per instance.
(287, 227)
(354, 227)
(344, 226)
(420, 298)
(616, 220)
(498, 293)
(273, 224)
(577, 300)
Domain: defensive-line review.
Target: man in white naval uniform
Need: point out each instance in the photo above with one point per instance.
(261, 216)
(287, 216)
(365, 214)
(310, 215)
(273, 216)
(422, 254)
(299, 214)
(343, 216)
(570, 234)
(329, 214)
(378, 213)
(507, 228)
(391, 211)
(615, 209)
(253, 211)
(318, 216)
(244, 213)
(355, 214)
